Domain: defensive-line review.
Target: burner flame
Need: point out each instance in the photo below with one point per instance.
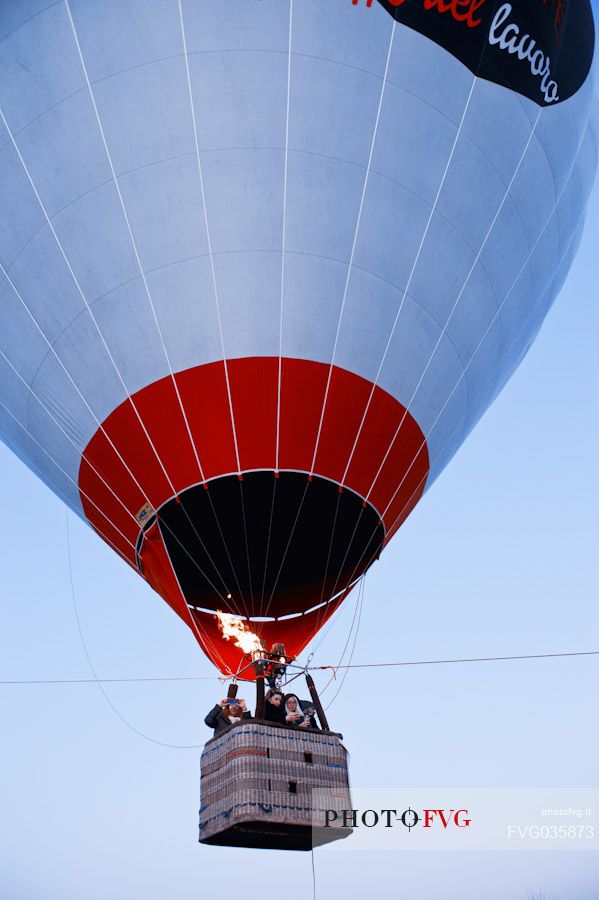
(235, 629)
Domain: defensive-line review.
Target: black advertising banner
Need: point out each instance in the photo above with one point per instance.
(543, 49)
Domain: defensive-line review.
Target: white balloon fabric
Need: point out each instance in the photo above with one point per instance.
(265, 263)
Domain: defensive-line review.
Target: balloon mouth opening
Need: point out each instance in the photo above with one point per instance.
(267, 546)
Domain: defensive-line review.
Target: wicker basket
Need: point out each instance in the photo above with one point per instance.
(265, 785)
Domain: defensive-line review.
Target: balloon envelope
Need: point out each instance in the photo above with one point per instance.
(265, 265)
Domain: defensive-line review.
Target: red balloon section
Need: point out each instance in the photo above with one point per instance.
(317, 523)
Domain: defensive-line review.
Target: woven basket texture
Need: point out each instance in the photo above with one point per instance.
(257, 773)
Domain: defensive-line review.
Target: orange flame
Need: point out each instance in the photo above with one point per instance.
(234, 629)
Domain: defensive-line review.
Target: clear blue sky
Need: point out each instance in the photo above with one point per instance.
(499, 558)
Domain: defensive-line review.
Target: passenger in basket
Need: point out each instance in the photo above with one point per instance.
(228, 712)
(274, 710)
(309, 713)
(276, 666)
(296, 716)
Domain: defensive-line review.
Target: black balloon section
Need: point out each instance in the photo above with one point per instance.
(542, 49)
(277, 545)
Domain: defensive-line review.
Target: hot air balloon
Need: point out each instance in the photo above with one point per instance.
(264, 265)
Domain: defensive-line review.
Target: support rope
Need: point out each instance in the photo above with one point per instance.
(98, 681)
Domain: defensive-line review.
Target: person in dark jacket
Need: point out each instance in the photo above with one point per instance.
(276, 665)
(227, 712)
(274, 711)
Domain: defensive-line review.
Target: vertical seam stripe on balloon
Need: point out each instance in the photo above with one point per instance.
(208, 237)
(418, 252)
(462, 420)
(87, 497)
(353, 248)
(83, 297)
(203, 638)
(272, 509)
(349, 269)
(291, 533)
(245, 538)
(405, 291)
(530, 254)
(210, 253)
(459, 297)
(281, 300)
(361, 206)
(398, 518)
(79, 450)
(457, 301)
(531, 250)
(45, 338)
(504, 301)
(141, 270)
(52, 349)
(83, 455)
(284, 235)
(101, 428)
(130, 230)
(88, 407)
(88, 308)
